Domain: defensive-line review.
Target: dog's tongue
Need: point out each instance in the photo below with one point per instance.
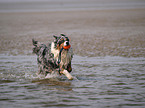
(67, 47)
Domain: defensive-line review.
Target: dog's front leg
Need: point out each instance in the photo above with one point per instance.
(69, 68)
(67, 74)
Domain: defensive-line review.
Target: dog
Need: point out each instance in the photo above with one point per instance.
(56, 57)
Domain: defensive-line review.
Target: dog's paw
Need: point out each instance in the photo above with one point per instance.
(67, 74)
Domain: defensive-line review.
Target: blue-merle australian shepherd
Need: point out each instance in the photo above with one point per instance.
(56, 57)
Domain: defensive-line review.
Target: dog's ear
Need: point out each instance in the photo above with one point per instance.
(55, 37)
(34, 42)
(62, 34)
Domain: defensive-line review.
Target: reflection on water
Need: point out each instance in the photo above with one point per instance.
(99, 82)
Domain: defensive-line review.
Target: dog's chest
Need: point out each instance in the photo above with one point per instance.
(54, 51)
(66, 55)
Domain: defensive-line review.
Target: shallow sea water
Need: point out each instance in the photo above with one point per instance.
(98, 82)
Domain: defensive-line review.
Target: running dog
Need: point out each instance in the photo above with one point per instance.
(56, 57)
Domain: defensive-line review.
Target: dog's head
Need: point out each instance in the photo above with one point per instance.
(62, 44)
(61, 41)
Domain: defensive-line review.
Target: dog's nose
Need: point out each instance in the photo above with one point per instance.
(66, 43)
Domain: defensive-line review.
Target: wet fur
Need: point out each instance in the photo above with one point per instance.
(66, 57)
(47, 57)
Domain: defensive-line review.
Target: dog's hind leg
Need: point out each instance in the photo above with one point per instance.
(40, 69)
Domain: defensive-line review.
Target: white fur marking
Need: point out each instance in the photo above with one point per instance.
(54, 51)
(67, 74)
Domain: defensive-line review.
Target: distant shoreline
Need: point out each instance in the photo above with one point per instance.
(67, 5)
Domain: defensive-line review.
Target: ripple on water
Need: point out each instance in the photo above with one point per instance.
(98, 82)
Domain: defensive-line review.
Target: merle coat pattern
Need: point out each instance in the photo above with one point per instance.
(45, 59)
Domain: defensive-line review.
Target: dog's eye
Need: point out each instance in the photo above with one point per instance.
(66, 39)
(60, 41)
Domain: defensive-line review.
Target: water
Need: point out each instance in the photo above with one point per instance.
(98, 82)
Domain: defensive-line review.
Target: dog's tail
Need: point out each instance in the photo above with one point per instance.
(39, 49)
